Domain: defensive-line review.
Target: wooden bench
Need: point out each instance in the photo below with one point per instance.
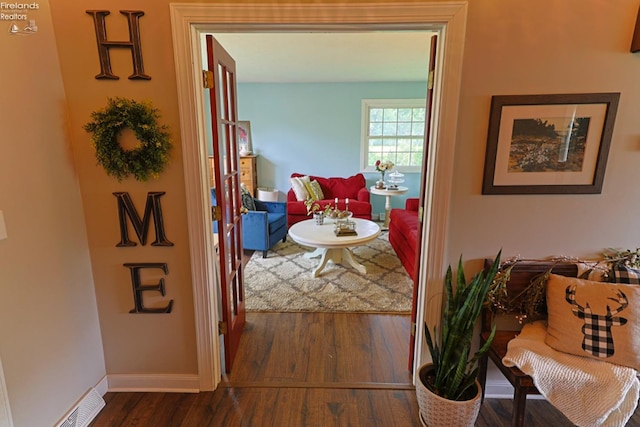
(522, 274)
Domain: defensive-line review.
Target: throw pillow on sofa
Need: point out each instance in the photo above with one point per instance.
(594, 319)
(315, 191)
(299, 188)
(247, 199)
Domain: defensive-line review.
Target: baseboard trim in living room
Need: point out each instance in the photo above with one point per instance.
(154, 383)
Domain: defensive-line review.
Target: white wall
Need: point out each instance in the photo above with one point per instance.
(50, 341)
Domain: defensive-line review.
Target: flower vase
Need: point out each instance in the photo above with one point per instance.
(380, 185)
(318, 217)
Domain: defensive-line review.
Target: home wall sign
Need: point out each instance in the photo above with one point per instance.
(133, 17)
(139, 288)
(126, 209)
(152, 152)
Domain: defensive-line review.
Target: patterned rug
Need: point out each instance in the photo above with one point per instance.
(282, 282)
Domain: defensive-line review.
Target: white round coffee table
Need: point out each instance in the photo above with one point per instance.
(388, 193)
(331, 247)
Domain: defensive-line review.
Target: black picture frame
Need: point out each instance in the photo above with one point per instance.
(548, 144)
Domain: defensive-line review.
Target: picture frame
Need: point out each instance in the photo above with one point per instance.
(244, 137)
(548, 144)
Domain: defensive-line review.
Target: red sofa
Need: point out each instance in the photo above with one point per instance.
(354, 188)
(403, 234)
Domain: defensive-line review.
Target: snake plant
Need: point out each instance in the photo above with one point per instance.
(454, 374)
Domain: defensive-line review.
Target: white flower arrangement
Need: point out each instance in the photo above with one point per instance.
(384, 166)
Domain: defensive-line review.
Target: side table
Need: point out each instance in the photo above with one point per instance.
(388, 193)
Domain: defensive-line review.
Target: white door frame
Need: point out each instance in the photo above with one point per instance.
(189, 21)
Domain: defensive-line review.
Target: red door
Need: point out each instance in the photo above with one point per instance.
(222, 69)
(425, 161)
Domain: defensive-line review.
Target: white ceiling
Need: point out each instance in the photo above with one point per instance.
(328, 57)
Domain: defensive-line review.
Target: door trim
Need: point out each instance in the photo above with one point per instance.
(189, 21)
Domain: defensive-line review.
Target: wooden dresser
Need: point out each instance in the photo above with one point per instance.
(249, 173)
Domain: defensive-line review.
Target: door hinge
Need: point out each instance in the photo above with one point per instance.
(207, 79)
(223, 328)
(413, 329)
(430, 80)
(420, 214)
(216, 213)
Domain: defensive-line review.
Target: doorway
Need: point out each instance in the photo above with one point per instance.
(189, 20)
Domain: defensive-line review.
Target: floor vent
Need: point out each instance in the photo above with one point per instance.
(85, 411)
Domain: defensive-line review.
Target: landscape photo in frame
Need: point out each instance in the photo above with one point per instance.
(548, 144)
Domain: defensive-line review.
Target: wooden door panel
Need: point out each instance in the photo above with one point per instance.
(424, 175)
(227, 178)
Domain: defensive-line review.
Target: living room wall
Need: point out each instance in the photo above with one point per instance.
(315, 128)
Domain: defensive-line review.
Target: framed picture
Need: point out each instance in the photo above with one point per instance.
(548, 144)
(244, 137)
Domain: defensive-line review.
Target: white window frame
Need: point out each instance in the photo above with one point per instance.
(367, 104)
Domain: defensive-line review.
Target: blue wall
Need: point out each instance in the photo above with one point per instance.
(314, 128)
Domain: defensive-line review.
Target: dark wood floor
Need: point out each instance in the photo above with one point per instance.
(310, 369)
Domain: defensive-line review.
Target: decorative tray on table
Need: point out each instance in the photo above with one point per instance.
(345, 227)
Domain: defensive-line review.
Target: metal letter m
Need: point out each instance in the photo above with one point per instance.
(141, 226)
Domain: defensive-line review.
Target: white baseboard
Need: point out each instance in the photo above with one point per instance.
(153, 383)
(495, 389)
(86, 408)
(103, 386)
(498, 390)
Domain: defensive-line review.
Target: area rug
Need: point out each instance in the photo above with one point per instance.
(282, 282)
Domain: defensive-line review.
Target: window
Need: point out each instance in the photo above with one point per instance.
(393, 129)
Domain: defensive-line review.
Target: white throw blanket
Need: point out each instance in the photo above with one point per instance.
(588, 392)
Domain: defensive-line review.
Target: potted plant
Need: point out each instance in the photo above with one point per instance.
(313, 208)
(448, 390)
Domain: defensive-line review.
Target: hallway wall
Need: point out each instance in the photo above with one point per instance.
(50, 340)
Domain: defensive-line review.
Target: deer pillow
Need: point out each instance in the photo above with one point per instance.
(594, 319)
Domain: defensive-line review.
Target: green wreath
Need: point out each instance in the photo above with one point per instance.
(152, 152)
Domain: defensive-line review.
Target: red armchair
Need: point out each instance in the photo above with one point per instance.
(354, 188)
(403, 234)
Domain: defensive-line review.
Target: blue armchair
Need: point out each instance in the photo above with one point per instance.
(261, 228)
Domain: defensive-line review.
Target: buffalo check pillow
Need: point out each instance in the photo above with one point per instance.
(594, 319)
(624, 274)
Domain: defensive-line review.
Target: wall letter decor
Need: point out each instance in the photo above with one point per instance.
(139, 288)
(104, 45)
(126, 208)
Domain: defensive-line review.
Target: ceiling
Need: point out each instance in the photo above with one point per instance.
(383, 56)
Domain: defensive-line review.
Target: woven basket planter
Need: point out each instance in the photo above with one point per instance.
(436, 411)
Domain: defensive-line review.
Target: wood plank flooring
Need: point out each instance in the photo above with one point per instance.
(310, 369)
(323, 348)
